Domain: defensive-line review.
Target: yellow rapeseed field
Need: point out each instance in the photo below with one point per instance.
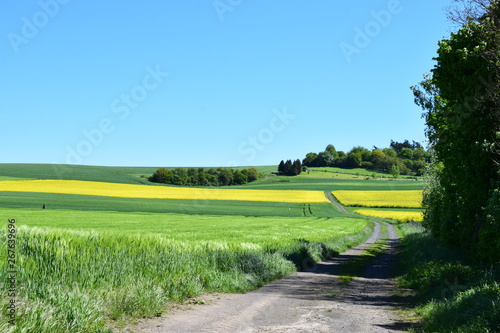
(404, 199)
(393, 214)
(158, 192)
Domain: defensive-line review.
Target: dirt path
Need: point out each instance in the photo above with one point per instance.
(334, 201)
(308, 301)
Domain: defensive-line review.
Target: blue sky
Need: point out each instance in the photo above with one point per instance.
(210, 83)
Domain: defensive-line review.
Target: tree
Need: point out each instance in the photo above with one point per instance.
(390, 152)
(179, 176)
(192, 177)
(406, 153)
(327, 157)
(297, 167)
(281, 167)
(461, 106)
(354, 160)
(161, 175)
(395, 170)
(330, 155)
(331, 149)
(411, 159)
(377, 154)
(252, 174)
(224, 176)
(202, 178)
(211, 177)
(239, 177)
(399, 146)
(421, 154)
(290, 168)
(341, 159)
(310, 160)
(322, 159)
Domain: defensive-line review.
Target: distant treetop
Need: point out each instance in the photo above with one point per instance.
(408, 158)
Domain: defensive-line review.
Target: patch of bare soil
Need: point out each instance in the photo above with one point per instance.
(307, 301)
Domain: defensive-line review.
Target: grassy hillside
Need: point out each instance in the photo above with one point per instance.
(76, 172)
(126, 175)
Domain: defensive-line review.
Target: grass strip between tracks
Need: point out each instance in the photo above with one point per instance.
(354, 267)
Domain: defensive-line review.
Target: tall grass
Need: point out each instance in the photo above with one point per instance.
(453, 293)
(81, 281)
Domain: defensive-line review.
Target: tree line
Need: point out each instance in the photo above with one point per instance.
(461, 103)
(401, 157)
(201, 177)
(290, 168)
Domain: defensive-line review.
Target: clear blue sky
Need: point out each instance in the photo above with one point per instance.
(210, 83)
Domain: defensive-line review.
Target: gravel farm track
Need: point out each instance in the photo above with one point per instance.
(307, 301)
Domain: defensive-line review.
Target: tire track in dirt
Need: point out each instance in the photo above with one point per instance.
(307, 301)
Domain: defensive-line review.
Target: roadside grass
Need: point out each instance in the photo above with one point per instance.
(453, 293)
(87, 281)
(355, 267)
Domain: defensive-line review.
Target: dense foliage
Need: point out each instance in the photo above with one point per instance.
(401, 158)
(202, 177)
(461, 102)
(290, 168)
